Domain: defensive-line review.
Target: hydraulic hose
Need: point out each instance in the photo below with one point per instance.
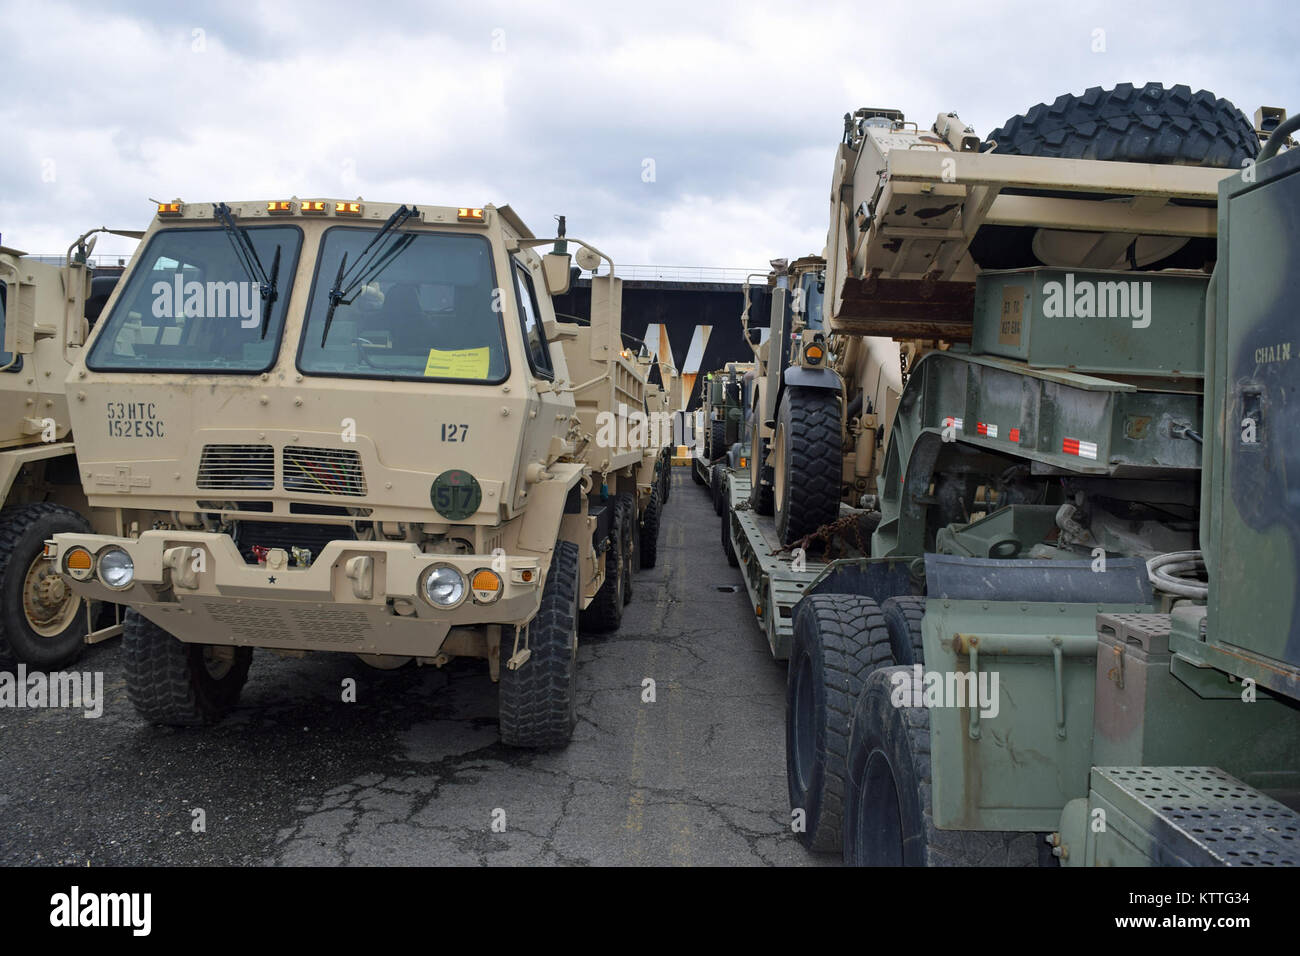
(1164, 570)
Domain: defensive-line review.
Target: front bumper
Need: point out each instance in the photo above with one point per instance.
(361, 597)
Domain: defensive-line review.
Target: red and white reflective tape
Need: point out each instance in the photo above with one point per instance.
(984, 428)
(950, 421)
(1084, 449)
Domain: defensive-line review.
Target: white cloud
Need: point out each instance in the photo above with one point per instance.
(738, 104)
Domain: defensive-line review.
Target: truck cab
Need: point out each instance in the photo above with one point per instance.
(349, 427)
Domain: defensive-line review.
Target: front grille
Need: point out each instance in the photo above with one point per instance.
(237, 467)
(324, 471)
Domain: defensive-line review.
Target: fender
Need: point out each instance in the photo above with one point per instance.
(803, 377)
(545, 508)
(13, 459)
(798, 376)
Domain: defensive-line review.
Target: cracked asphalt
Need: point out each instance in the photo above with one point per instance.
(413, 773)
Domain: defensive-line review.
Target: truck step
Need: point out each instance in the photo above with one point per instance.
(1188, 816)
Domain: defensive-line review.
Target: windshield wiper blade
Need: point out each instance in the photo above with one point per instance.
(269, 300)
(336, 293)
(246, 253)
(367, 269)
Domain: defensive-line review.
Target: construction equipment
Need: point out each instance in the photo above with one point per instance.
(356, 427)
(794, 415)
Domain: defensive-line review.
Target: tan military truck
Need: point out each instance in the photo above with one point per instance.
(353, 427)
(45, 314)
(659, 405)
(654, 479)
(611, 414)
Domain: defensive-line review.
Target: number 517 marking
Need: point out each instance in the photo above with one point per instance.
(455, 432)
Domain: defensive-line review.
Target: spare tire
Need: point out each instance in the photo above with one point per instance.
(1152, 124)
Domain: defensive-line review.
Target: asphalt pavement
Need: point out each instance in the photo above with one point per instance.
(412, 772)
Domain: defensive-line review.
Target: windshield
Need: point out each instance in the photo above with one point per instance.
(812, 300)
(190, 306)
(431, 312)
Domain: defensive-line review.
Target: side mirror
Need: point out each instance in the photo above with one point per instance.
(555, 265)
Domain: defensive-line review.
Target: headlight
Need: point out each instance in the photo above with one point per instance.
(116, 569)
(444, 586)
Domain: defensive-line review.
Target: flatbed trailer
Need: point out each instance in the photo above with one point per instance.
(700, 468)
(777, 578)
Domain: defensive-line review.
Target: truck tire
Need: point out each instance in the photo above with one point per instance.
(717, 440)
(650, 532)
(715, 488)
(727, 548)
(174, 684)
(838, 640)
(1125, 124)
(42, 621)
(537, 706)
(605, 612)
(809, 462)
(903, 616)
(666, 474)
(760, 495)
(888, 813)
(625, 515)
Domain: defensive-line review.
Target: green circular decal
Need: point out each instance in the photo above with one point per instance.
(456, 494)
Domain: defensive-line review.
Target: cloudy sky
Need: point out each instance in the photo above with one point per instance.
(734, 108)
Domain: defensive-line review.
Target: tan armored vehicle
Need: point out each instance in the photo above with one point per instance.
(354, 427)
(45, 314)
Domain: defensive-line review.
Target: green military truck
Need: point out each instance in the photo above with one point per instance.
(1053, 640)
(721, 417)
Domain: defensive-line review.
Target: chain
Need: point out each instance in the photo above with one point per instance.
(828, 533)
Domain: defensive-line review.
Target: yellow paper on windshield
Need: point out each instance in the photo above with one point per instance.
(459, 363)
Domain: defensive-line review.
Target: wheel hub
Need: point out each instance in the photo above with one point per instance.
(48, 603)
(218, 661)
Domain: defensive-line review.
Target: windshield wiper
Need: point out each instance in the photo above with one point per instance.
(367, 269)
(252, 265)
